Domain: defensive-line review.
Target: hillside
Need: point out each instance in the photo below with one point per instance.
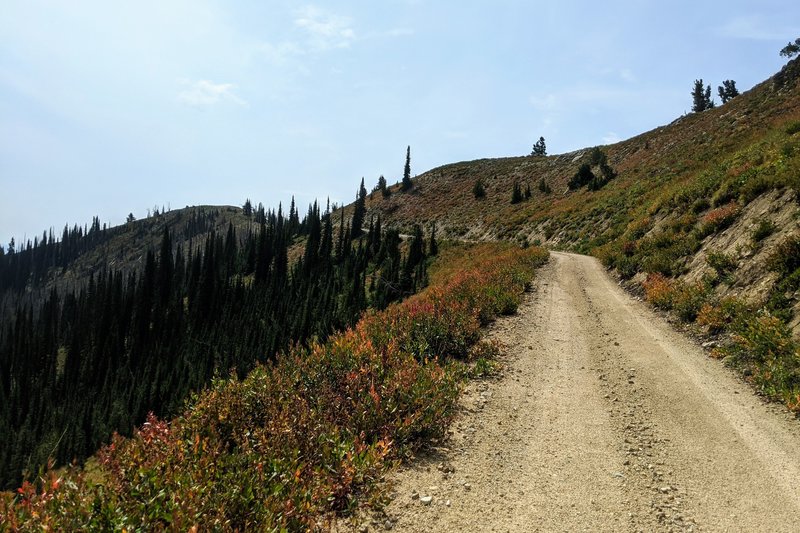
(106, 325)
(701, 216)
(697, 155)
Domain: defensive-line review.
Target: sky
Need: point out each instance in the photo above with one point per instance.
(110, 108)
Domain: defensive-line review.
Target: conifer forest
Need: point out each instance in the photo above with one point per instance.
(79, 362)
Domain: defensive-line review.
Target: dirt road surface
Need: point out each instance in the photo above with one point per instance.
(605, 420)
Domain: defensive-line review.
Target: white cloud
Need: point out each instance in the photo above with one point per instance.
(325, 30)
(611, 138)
(755, 27)
(205, 93)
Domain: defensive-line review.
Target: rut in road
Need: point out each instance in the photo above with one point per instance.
(605, 420)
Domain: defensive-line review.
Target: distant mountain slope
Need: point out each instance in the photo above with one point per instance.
(65, 260)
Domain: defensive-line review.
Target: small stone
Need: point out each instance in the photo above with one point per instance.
(363, 529)
(447, 503)
(467, 486)
(665, 490)
(426, 500)
(388, 524)
(414, 494)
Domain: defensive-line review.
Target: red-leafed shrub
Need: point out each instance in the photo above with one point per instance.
(720, 218)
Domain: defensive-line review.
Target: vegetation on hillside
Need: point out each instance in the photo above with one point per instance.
(84, 362)
(304, 436)
(680, 205)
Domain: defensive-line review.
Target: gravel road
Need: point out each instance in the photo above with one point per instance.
(605, 419)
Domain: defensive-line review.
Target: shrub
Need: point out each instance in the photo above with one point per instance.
(687, 299)
(627, 266)
(718, 317)
(658, 291)
(722, 263)
(763, 229)
(700, 205)
(659, 262)
(719, 219)
(793, 127)
(484, 367)
(638, 228)
(786, 257)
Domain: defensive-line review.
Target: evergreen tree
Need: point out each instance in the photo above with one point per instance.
(701, 98)
(516, 193)
(727, 91)
(539, 148)
(791, 49)
(527, 191)
(544, 187)
(407, 184)
(583, 176)
(247, 208)
(382, 187)
(698, 97)
(433, 248)
(359, 211)
(478, 190)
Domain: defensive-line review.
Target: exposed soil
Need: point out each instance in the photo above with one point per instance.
(605, 419)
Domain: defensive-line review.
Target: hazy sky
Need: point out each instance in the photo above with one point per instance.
(111, 107)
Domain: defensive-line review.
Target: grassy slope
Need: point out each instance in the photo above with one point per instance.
(652, 167)
(682, 218)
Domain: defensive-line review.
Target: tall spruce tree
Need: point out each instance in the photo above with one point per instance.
(701, 97)
(359, 210)
(407, 184)
(539, 148)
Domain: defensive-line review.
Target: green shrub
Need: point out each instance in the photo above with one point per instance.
(700, 205)
(483, 368)
(782, 296)
(722, 263)
(786, 257)
(688, 299)
(793, 127)
(763, 229)
(627, 266)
